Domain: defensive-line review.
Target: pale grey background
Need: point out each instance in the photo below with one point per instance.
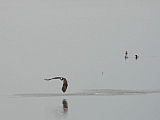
(79, 40)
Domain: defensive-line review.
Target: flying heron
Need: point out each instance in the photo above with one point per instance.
(65, 83)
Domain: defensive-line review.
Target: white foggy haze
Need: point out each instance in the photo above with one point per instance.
(79, 40)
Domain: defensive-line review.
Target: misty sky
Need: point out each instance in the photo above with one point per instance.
(78, 40)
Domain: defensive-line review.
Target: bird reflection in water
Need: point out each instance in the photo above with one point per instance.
(58, 112)
(126, 57)
(65, 106)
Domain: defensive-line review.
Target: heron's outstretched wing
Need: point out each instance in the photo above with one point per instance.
(57, 78)
(53, 78)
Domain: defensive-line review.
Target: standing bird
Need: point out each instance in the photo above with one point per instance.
(136, 57)
(126, 53)
(126, 57)
(65, 83)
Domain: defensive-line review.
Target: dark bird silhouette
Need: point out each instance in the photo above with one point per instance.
(126, 57)
(136, 57)
(126, 53)
(65, 83)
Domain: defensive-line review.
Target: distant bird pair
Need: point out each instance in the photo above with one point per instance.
(126, 53)
(65, 83)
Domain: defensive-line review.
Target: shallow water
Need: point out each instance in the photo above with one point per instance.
(92, 92)
(89, 104)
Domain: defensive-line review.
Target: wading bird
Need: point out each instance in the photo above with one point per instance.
(136, 57)
(65, 83)
(126, 53)
(126, 57)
